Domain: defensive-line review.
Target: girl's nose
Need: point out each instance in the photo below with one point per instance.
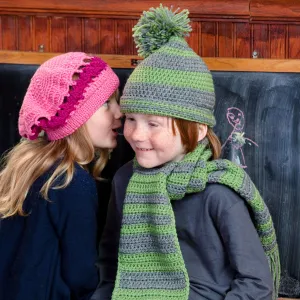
(117, 112)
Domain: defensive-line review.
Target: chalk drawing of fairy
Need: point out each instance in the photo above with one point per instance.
(237, 137)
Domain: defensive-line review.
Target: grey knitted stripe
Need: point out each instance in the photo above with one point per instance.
(193, 98)
(174, 62)
(195, 116)
(153, 280)
(146, 219)
(143, 243)
(175, 189)
(221, 164)
(214, 177)
(197, 183)
(147, 199)
(247, 189)
(180, 44)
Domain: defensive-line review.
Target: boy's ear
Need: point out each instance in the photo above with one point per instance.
(202, 131)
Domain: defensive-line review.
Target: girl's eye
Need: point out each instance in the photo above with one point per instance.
(106, 104)
(153, 124)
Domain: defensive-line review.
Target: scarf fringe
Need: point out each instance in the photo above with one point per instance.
(274, 263)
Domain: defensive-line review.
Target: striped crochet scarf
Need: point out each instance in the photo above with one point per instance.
(150, 265)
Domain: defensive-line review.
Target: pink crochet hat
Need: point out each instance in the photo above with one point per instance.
(59, 105)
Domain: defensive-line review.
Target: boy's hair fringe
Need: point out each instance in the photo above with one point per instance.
(189, 131)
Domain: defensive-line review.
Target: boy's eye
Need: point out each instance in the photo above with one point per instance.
(129, 118)
(153, 124)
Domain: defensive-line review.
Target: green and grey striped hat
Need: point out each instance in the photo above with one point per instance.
(172, 80)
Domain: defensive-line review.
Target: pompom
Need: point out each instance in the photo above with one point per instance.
(157, 26)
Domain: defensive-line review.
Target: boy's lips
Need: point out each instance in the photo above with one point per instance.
(143, 149)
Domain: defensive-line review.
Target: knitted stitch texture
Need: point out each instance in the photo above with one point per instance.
(150, 264)
(173, 80)
(59, 105)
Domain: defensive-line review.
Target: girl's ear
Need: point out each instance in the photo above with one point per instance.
(202, 131)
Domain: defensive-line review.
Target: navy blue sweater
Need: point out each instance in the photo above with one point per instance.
(51, 254)
(220, 246)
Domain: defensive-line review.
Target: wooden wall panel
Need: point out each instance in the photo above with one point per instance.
(242, 40)
(225, 39)
(260, 37)
(124, 40)
(277, 41)
(25, 35)
(41, 29)
(91, 43)
(1, 36)
(127, 7)
(209, 46)
(294, 41)
(193, 38)
(107, 36)
(9, 41)
(74, 34)
(58, 34)
(221, 28)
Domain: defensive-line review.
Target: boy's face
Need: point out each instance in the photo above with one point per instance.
(152, 139)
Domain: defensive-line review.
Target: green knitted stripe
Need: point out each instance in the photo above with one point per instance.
(150, 294)
(153, 259)
(195, 80)
(134, 105)
(146, 208)
(147, 228)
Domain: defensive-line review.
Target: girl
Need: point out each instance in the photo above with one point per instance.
(48, 199)
(179, 222)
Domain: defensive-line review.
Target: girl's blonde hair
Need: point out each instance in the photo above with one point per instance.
(28, 160)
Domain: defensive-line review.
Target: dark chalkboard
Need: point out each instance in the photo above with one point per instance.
(258, 122)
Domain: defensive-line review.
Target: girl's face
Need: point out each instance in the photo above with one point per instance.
(103, 124)
(152, 139)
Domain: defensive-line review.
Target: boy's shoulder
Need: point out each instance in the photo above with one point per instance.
(124, 173)
(220, 197)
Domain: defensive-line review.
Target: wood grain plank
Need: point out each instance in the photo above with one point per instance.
(25, 33)
(225, 39)
(124, 61)
(41, 33)
(1, 38)
(74, 34)
(58, 34)
(9, 37)
(294, 37)
(107, 36)
(124, 40)
(277, 40)
(91, 42)
(261, 42)
(208, 39)
(242, 40)
(199, 7)
(194, 37)
(275, 9)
